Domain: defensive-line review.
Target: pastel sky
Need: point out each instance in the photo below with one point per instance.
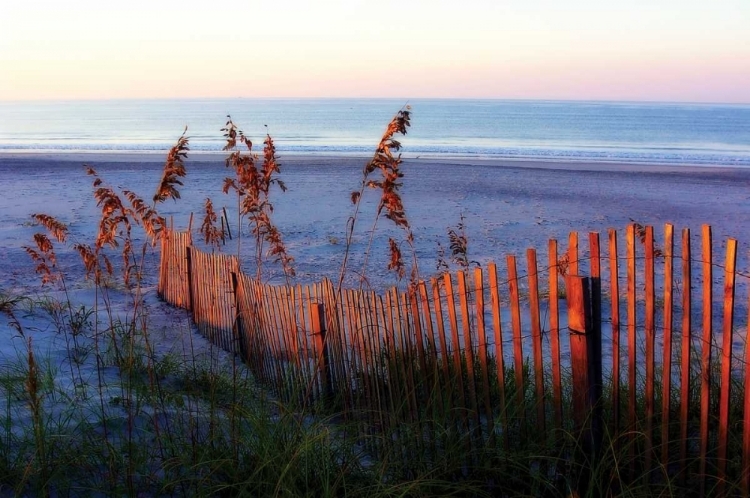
(657, 50)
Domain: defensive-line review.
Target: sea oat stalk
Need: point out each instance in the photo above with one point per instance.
(390, 201)
(252, 183)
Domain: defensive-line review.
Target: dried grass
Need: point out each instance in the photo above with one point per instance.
(174, 169)
(116, 223)
(388, 162)
(253, 183)
(459, 247)
(212, 235)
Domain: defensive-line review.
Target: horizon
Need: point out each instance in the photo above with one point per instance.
(406, 101)
(675, 52)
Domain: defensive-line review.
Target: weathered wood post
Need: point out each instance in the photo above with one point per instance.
(319, 336)
(238, 329)
(189, 264)
(579, 323)
(595, 342)
(585, 358)
(229, 228)
(160, 290)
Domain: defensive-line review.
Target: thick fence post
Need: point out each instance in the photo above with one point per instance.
(585, 358)
(238, 328)
(160, 290)
(189, 265)
(319, 336)
(579, 322)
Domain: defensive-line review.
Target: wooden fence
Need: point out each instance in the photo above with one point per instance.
(489, 358)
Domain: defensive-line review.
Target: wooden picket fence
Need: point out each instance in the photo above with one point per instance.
(489, 359)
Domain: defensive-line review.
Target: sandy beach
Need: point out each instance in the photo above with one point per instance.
(508, 206)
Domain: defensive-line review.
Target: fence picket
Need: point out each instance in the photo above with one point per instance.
(314, 344)
(595, 339)
(614, 293)
(402, 301)
(572, 254)
(375, 360)
(686, 347)
(726, 363)
(432, 352)
(536, 341)
(389, 378)
(650, 341)
(554, 333)
(666, 378)
(440, 322)
(359, 345)
(468, 348)
(517, 342)
(350, 356)
(482, 351)
(706, 344)
(456, 348)
(499, 358)
(395, 365)
(631, 345)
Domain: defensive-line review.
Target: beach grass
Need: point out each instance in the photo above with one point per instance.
(175, 426)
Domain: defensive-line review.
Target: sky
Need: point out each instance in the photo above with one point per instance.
(655, 50)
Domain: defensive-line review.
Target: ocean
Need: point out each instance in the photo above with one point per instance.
(633, 132)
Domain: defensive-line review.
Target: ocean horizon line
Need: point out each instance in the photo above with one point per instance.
(406, 100)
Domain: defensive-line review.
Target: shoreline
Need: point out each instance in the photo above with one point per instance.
(158, 157)
(509, 206)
